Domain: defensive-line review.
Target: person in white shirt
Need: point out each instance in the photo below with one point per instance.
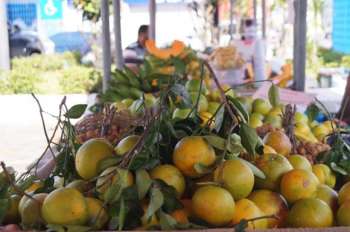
(251, 49)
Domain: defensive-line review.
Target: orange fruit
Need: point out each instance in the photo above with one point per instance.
(97, 214)
(310, 213)
(89, 156)
(236, 177)
(171, 176)
(65, 206)
(273, 166)
(344, 193)
(30, 209)
(271, 203)
(300, 162)
(207, 118)
(110, 176)
(279, 141)
(247, 209)
(328, 195)
(269, 150)
(126, 144)
(180, 215)
(193, 150)
(298, 184)
(261, 106)
(81, 185)
(343, 214)
(214, 205)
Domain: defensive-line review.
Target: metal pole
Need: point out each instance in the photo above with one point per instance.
(4, 38)
(299, 52)
(254, 9)
(232, 7)
(119, 62)
(106, 45)
(263, 11)
(152, 19)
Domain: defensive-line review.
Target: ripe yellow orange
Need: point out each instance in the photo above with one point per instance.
(261, 106)
(65, 206)
(205, 117)
(300, 162)
(89, 155)
(310, 213)
(97, 215)
(322, 172)
(269, 150)
(12, 214)
(344, 193)
(30, 209)
(214, 205)
(298, 184)
(279, 141)
(328, 195)
(273, 166)
(236, 177)
(110, 176)
(271, 203)
(343, 214)
(247, 209)
(192, 150)
(126, 144)
(171, 176)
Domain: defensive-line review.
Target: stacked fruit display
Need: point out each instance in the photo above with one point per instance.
(192, 158)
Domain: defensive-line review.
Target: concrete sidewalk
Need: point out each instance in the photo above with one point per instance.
(22, 138)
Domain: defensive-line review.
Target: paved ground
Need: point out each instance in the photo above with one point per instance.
(21, 135)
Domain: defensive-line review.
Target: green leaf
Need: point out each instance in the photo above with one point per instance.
(56, 228)
(219, 118)
(274, 96)
(180, 66)
(143, 182)
(122, 214)
(239, 108)
(202, 169)
(221, 144)
(241, 226)
(338, 169)
(108, 162)
(156, 202)
(114, 192)
(166, 221)
(76, 111)
(249, 138)
(312, 111)
(4, 205)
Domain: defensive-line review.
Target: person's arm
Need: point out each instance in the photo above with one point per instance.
(259, 61)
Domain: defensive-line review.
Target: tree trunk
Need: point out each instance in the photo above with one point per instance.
(344, 112)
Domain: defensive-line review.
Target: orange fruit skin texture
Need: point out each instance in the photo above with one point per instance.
(236, 177)
(300, 162)
(97, 216)
(328, 195)
(89, 155)
(180, 215)
(344, 193)
(310, 213)
(271, 203)
(170, 175)
(273, 166)
(214, 205)
(279, 141)
(65, 206)
(343, 214)
(190, 151)
(30, 210)
(247, 209)
(298, 184)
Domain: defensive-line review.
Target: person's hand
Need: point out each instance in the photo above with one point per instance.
(11, 228)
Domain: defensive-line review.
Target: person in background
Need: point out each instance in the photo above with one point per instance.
(136, 51)
(251, 49)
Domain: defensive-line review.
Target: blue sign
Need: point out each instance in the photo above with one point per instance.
(24, 12)
(341, 26)
(51, 9)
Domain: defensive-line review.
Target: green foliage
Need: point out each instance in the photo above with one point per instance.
(48, 74)
(330, 56)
